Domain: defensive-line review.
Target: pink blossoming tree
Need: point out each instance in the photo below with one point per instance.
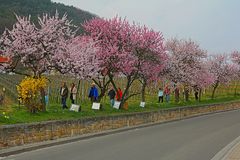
(86, 63)
(151, 54)
(222, 70)
(124, 49)
(185, 62)
(38, 47)
(235, 57)
(84, 60)
(203, 79)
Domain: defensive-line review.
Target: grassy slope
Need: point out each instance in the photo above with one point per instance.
(20, 115)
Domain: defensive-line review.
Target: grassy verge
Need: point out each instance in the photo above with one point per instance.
(19, 114)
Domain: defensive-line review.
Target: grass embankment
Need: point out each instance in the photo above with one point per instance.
(18, 114)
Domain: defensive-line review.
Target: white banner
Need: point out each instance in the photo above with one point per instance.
(96, 106)
(116, 105)
(142, 104)
(75, 108)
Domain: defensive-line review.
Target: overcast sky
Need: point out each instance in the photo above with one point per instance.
(214, 24)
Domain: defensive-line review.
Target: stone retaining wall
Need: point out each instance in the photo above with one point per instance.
(19, 134)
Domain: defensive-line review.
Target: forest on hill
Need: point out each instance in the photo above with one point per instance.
(35, 8)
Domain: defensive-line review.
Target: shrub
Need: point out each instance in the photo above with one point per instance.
(30, 92)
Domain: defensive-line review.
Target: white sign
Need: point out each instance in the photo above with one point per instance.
(116, 105)
(142, 104)
(96, 106)
(75, 108)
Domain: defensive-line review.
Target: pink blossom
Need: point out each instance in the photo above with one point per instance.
(84, 59)
(185, 62)
(127, 49)
(221, 68)
(39, 47)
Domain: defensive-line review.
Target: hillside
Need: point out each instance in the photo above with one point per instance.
(37, 7)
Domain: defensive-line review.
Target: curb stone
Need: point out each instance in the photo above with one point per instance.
(224, 153)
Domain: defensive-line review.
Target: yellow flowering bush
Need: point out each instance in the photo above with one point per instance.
(4, 115)
(4, 118)
(30, 93)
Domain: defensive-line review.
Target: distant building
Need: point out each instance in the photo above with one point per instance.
(4, 59)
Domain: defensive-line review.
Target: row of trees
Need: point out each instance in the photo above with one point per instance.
(112, 48)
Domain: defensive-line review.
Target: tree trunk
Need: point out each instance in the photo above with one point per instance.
(112, 82)
(213, 93)
(101, 95)
(235, 89)
(43, 102)
(186, 93)
(200, 95)
(214, 89)
(143, 91)
(103, 87)
(125, 96)
(125, 93)
(176, 94)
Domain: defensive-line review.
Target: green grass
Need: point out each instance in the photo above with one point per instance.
(224, 93)
(55, 112)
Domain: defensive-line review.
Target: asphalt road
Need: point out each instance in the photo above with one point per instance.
(192, 139)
